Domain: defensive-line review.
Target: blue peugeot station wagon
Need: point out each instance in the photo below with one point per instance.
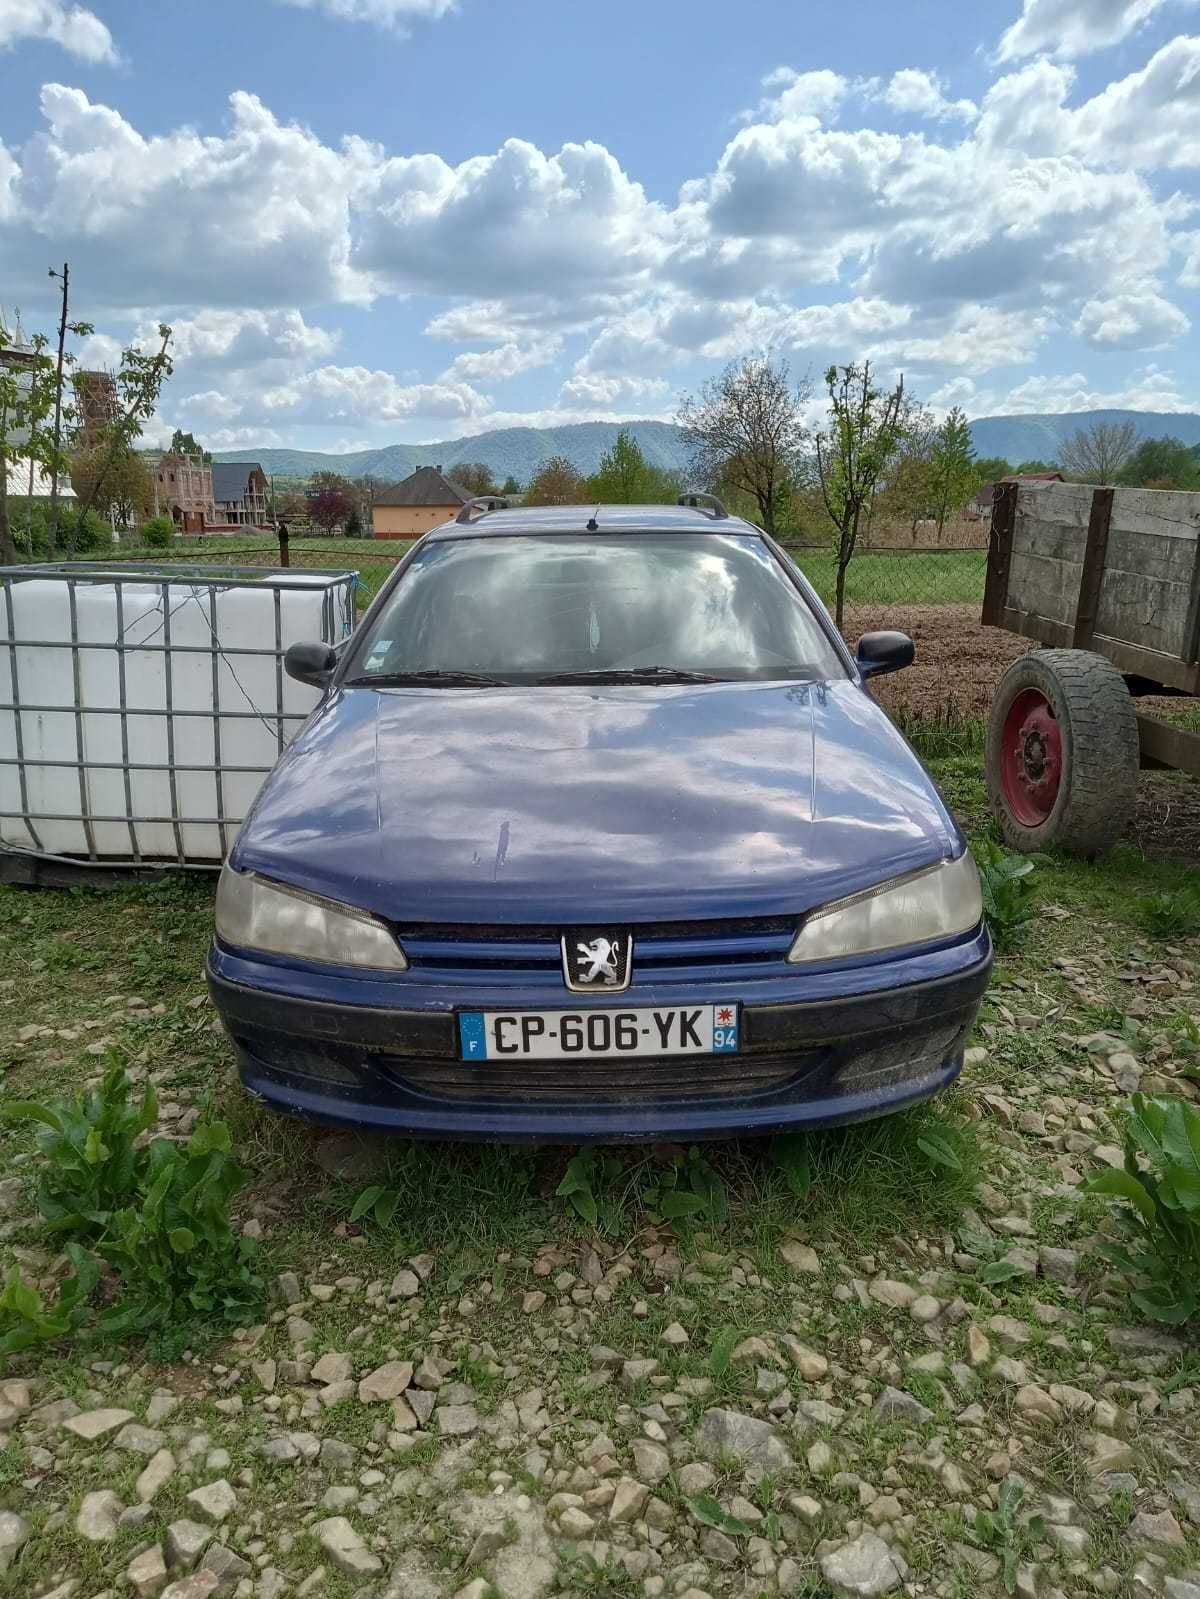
(597, 834)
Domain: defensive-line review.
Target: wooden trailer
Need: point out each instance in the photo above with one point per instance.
(1108, 581)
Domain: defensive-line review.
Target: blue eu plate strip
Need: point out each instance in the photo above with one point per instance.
(725, 1028)
(472, 1035)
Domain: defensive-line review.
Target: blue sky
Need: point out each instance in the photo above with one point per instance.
(379, 220)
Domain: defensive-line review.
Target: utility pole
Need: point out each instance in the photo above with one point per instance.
(52, 531)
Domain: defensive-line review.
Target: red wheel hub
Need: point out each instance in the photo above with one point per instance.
(1031, 758)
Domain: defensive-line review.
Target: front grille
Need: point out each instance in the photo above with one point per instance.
(609, 1081)
(663, 951)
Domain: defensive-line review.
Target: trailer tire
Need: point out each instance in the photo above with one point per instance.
(1062, 753)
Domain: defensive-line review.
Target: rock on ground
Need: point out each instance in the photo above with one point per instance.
(345, 1548)
(753, 1442)
(864, 1567)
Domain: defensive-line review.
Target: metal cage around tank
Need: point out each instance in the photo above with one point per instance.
(198, 740)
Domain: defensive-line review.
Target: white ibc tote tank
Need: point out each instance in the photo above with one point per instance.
(139, 714)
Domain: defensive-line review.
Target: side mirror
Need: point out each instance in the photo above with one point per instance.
(883, 652)
(310, 663)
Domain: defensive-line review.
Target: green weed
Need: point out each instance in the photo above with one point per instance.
(1171, 913)
(1002, 1531)
(1160, 1181)
(1007, 891)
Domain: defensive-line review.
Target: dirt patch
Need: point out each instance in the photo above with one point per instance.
(958, 661)
(1166, 824)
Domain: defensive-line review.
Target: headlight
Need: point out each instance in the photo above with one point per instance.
(937, 902)
(256, 914)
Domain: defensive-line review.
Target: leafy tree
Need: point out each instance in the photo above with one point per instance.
(354, 524)
(989, 469)
(326, 479)
(474, 476)
(625, 477)
(118, 483)
(185, 444)
(328, 505)
(1161, 464)
(746, 429)
(1096, 454)
(854, 452)
(909, 493)
(952, 467)
(139, 380)
(556, 482)
(1029, 468)
(511, 486)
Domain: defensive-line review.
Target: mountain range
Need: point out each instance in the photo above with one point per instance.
(519, 451)
(515, 452)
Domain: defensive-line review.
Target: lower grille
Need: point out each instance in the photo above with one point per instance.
(594, 1081)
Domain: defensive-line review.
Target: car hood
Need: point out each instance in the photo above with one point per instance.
(587, 804)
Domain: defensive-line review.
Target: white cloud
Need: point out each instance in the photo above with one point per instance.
(393, 15)
(229, 219)
(516, 223)
(359, 393)
(813, 95)
(504, 360)
(595, 391)
(1151, 389)
(920, 94)
(1073, 27)
(1140, 319)
(80, 32)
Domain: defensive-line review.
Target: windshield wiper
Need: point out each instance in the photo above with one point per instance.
(435, 676)
(631, 674)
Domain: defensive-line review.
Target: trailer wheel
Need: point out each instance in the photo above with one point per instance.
(1062, 752)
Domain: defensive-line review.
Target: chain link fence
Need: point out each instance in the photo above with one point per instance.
(933, 593)
(879, 577)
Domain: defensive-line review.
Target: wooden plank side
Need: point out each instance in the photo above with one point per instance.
(1043, 586)
(1068, 503)
(1127, 658)
(1057, 541)
(1144, 611)
(1155, 555)
(1173, 513)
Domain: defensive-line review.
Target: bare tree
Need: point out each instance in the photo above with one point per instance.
(1097, 453)
(746, 428)
(863, 434)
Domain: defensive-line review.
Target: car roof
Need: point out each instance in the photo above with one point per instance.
(609, 519)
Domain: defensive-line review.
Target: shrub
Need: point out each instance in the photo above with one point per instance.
(176, 1250)
(158, 533)
(156, 1212)
(1160, 1181)
(1006, 889)
(93, 1166)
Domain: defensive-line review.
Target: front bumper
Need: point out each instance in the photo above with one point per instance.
(817, 1049)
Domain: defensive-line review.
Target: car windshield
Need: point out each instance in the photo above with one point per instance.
(529, 609)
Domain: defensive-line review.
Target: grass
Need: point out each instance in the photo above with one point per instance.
(72, 965)
(899, 577)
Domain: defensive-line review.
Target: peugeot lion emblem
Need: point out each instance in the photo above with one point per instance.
(596, 960)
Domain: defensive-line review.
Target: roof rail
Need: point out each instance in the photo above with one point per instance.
(704, 502)
(480, 506)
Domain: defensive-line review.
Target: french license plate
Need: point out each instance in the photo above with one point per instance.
(595, 1034)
